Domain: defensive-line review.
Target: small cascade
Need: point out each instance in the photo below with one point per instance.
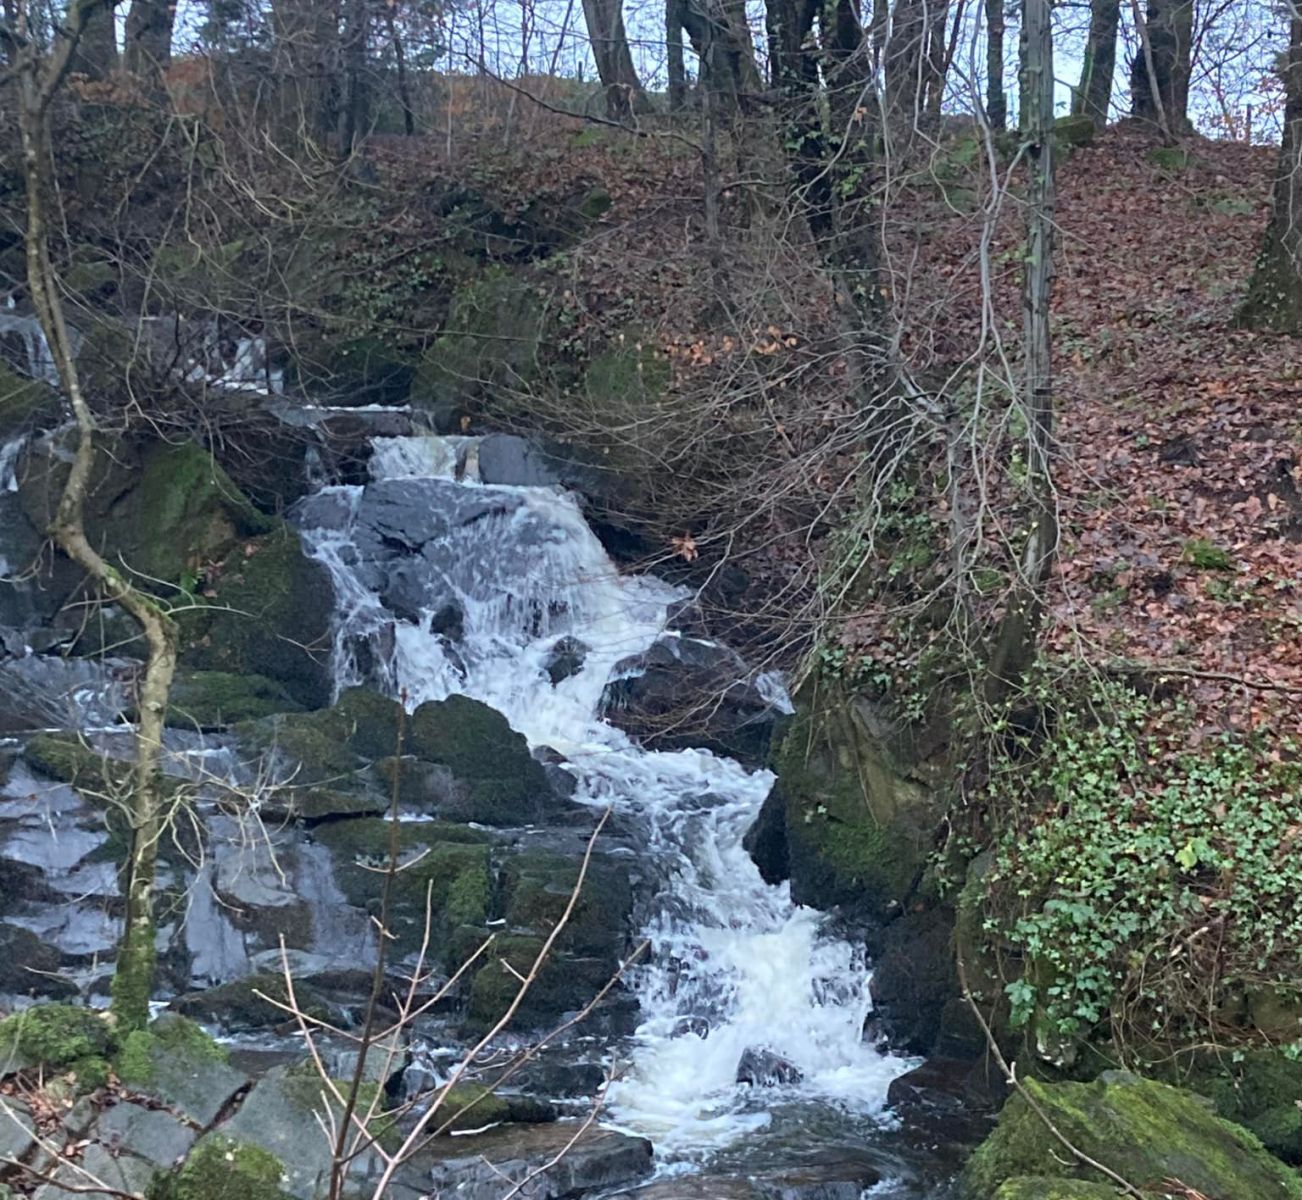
(445, 586)
(27, 333)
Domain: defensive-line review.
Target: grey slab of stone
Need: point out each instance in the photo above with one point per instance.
(476, 1167)
(151, 1134)
(17, 1133)
(121, 1172)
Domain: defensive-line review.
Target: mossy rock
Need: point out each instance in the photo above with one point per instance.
(565, 983)
(270, 614)
(216, 699)
(143, 1051)
(182, 514)
(476, 743)
(454, 874)
(1072, 132)
(53, 1035)
(362, 370)
(24, 403)
(490, 344)
(65, 757)
(1145, 1131)
(1171, 158)
(1041, 1187)
(246, 1004)
(536, 889)
(1280, 1131)
(1262, 1091)
(472, 1106)
(27, 965)
(220, 1168)
(860, 809)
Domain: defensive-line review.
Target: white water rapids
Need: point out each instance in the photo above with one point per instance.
(734, 963)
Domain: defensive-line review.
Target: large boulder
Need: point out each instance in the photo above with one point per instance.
(504, 784)
(1148, 1133)
(689, 692)
(1262, 1090)
(269, 613)
(859, 797)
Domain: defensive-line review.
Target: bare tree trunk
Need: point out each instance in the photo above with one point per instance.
(97, 51)
(675, 65)
(1016, 639)
(1159, 78)
(996, 97)
(624, 95)
(355, 112)
(305, 46)
(721, 38)
(1094, 96)
(400, 65)
(38, 82)
(1274, 298)
(148, 48)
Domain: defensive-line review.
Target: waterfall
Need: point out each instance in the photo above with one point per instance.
(444, 586)
(39, 360)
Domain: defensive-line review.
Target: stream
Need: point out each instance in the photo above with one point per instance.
(733, 972)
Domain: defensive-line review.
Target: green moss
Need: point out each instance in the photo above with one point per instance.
(1280, 1131)
(1170, 158)
(219, 1168)
(182, 514)
(271, 614)
(469, 1106)
(248, 1003)
(65, 757)
(55, 1035)
(565, 983)
(215, 699)
(1259, 1081)
(1041, 1187)
(172, 1036)
(631, 372)
(90, 1072)
(860, 824)
(447, 863)
(1074, 131)
(469, 895)
(489, 344)
(1145, 1131)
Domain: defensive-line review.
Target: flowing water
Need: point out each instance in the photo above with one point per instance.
(734, 965)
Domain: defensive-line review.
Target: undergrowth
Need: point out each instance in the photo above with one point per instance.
(1144, 880)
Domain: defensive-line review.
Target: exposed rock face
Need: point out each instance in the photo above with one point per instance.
(860, 802)
(688, 692)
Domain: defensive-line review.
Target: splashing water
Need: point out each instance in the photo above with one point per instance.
(734, 964)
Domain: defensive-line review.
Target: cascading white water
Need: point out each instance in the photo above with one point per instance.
(734, 964)
(40, 362)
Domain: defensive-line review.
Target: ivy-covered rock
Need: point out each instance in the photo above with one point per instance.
(1145, 1131)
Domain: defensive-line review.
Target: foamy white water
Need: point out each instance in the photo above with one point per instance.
(734, 964)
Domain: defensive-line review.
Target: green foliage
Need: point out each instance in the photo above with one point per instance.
(1150, 847)
(172, 1035)
(1205, 555)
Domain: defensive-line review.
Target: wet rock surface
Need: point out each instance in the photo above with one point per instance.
(689, 692)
